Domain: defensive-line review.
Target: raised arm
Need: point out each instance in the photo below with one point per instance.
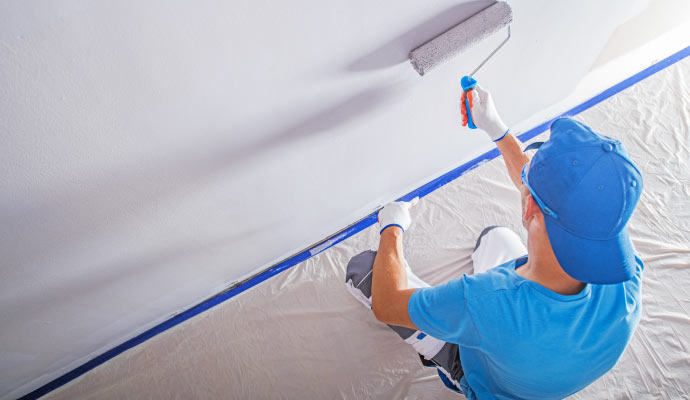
(513, 156)
(486, 118)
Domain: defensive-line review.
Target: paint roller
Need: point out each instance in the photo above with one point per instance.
(459, 39)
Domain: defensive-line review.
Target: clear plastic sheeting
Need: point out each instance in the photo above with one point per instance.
(301, 335)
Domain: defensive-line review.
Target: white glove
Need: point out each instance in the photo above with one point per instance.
(484, 113)
(396, 213)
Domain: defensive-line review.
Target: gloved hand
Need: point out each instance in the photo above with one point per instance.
(396, 213)
(484, 113)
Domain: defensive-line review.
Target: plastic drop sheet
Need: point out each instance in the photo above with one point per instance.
(300, 335)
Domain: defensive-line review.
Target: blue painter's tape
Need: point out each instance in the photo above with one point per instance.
(651, 70)
(343, 234)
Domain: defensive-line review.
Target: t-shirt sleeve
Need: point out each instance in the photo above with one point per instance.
(632, 286)
(440, 311)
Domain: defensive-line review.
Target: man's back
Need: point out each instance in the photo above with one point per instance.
(519, 339)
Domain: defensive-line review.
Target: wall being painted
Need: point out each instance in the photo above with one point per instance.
(154, 153)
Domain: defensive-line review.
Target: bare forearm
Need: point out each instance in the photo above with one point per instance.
(389, 271)
(513, 156)
(389, 293)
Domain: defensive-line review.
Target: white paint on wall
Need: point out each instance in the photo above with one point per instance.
(154, 152)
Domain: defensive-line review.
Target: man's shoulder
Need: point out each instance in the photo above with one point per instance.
(500, 281)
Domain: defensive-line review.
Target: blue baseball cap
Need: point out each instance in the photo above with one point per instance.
(587, 188)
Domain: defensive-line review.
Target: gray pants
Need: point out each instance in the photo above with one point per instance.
(359, 278)
(494, 247)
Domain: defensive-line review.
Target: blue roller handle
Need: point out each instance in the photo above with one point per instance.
(467, 84)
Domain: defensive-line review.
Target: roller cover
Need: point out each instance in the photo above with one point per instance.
(461, 37)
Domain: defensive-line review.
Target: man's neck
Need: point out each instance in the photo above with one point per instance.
(543, 268)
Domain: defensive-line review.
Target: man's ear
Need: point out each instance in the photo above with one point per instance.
(530, 208)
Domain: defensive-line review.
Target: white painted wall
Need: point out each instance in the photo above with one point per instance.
(155, 152)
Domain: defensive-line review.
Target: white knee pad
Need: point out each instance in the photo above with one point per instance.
(497, 246)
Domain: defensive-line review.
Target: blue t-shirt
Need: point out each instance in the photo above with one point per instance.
(518, 339)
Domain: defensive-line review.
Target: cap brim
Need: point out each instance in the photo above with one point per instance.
(592, 261)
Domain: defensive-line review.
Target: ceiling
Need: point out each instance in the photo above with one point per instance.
(155, 153)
